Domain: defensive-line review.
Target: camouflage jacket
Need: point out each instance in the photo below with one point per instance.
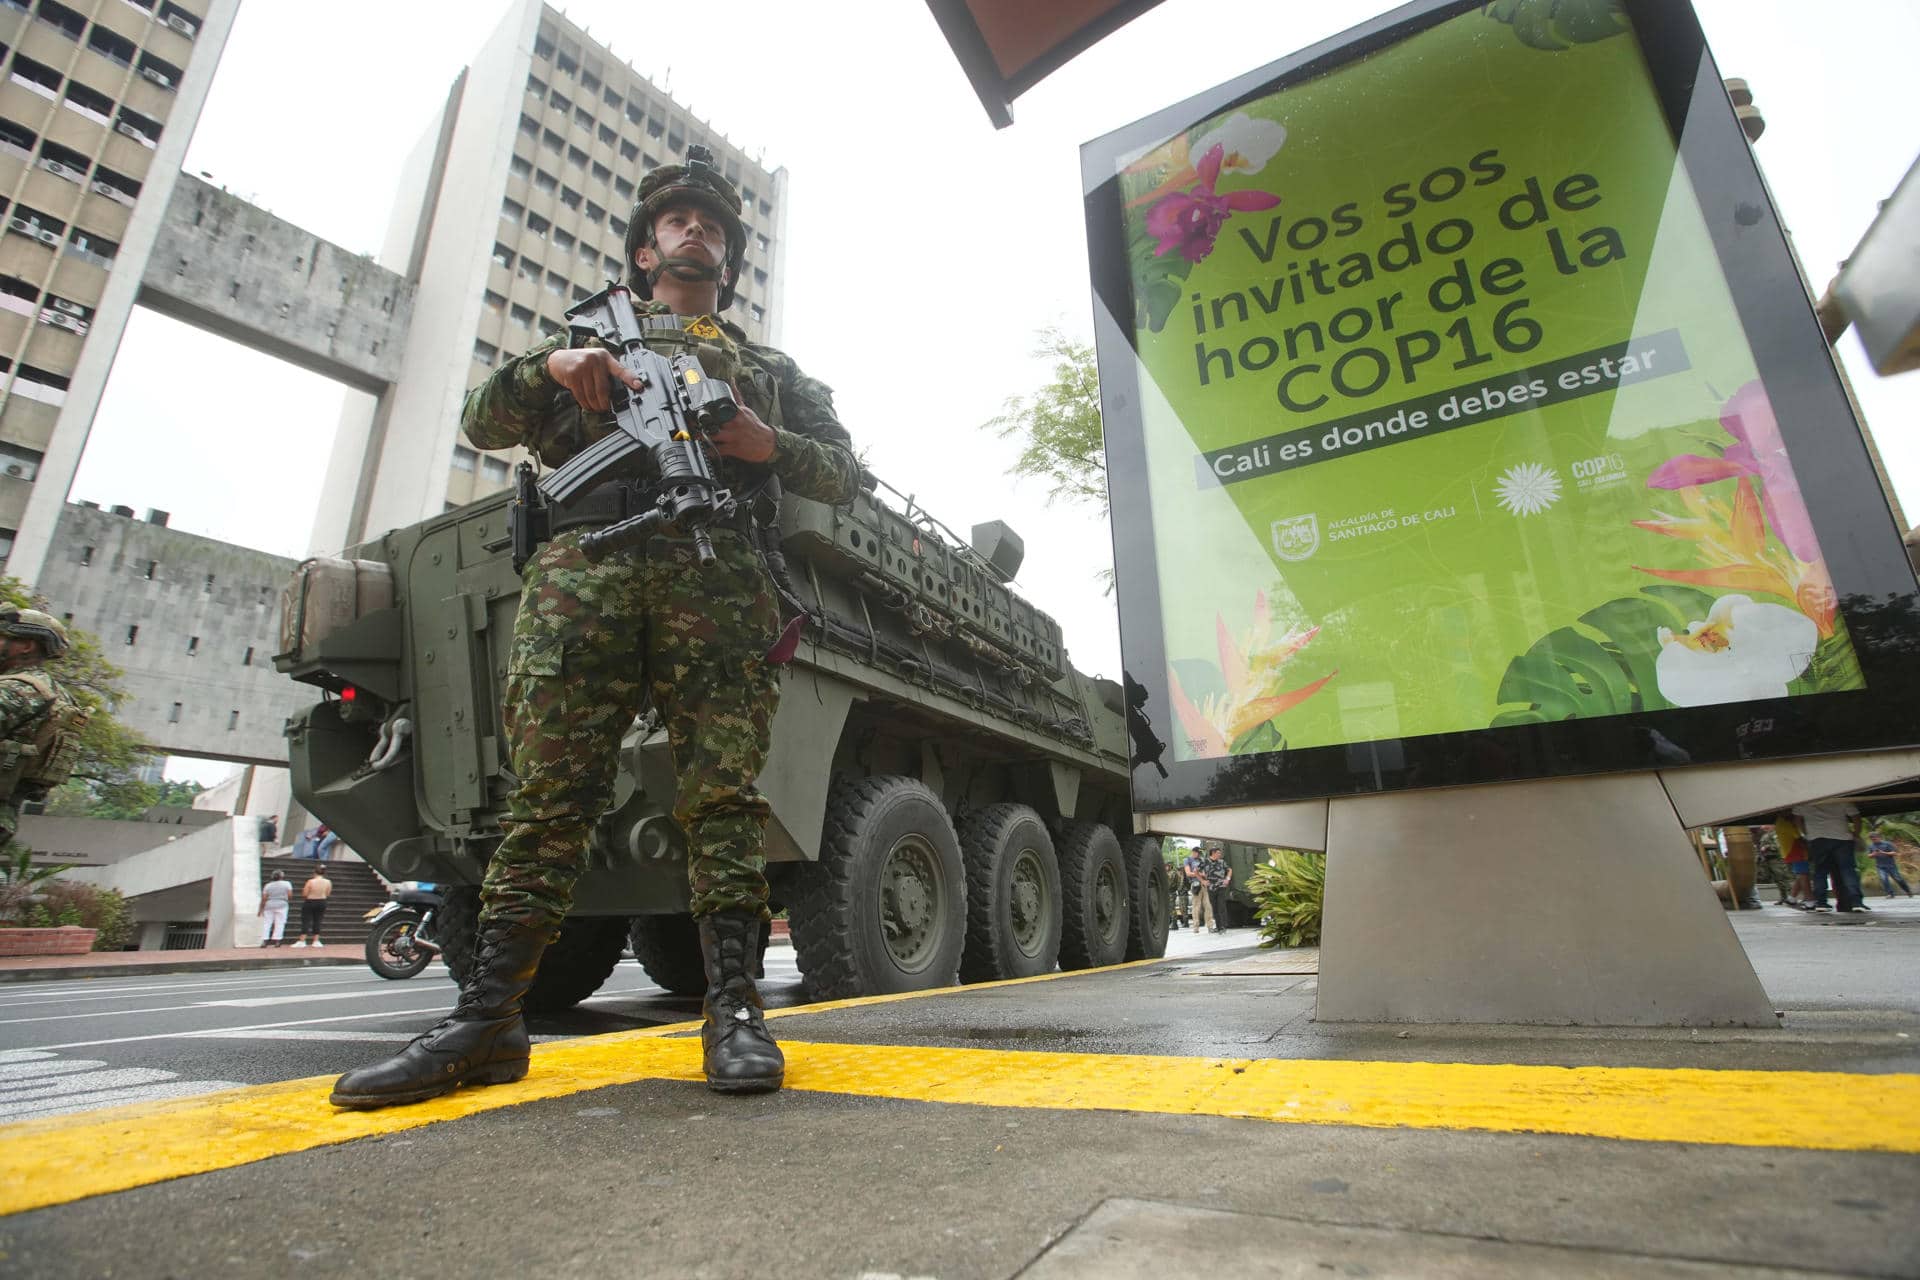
(27, 701)
(521, 404)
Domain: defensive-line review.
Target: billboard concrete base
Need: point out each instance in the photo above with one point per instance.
(1574, 901)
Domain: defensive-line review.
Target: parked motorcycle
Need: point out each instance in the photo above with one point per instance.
(400, 931)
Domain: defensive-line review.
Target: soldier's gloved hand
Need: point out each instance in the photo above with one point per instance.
(588, 373)
(744, 437)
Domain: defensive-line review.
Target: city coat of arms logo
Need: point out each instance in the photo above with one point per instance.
(1296, 537)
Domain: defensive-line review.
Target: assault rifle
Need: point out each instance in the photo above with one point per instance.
(675, 399)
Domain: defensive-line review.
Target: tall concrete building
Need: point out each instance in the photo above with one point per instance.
(515, 208)
(99, 102)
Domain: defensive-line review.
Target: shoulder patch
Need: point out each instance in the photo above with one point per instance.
(704, 327)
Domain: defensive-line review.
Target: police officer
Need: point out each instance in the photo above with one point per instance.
(34, 710)
(594, 642)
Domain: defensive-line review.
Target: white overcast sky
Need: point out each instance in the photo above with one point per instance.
(923, 247)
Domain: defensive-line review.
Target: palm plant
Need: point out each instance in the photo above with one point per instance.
(20, 880)
(1289, 890)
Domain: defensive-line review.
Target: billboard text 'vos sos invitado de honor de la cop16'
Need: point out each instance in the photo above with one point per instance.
(1443, 417)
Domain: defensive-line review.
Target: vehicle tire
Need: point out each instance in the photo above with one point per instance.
(1093, 896)
(1152, 899)
(381, 943)
(885, 908)
(456, 927)
(1013, 895)
(668, 948)
(577, 962)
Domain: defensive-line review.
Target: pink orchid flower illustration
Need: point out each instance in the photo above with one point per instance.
(1759, 452)
(1252, 675)
(1188, 222)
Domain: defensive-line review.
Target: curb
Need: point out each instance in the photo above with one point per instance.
(51, 973)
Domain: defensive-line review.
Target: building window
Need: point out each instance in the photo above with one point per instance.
(536, 86)
(86, 557)
(520, 166)
(485, 353)
(71, 24)
(569, 197)
(759, 277)
(590, 82)
(746, 197)
(43, 80)
(512, 211)
(530, 270)
(495, 470)
(233, 721)
(133, 633)
(607, 136)
(629, 152)
(173, 716)
(560, 102)
(566, 65)
(493, 301)
(613, 268)
(676, 143)
(556, 284)
(636, 114)
(595, 214)
(464, 458)
(247, 660)
(617, 225)
(583, 118)
(538, 225)
(521, 316)
(564, 239)
(164, 74)
(208, 589)
(552, 141)
(601, 173)
(612, 98)
(529, 126)
(548, 328)
(575, 156)
(542, 47)
(545, 181)
(623, 188)
(193, 646)
(152, 567)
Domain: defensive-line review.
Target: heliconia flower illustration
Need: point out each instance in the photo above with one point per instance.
(1253, 678)
(1760, 452)
(1188, 222)
(1740, 651)
(1246, 146)
(1732, 541)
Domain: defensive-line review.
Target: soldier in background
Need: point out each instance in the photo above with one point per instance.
(40, 721)
(593, 642)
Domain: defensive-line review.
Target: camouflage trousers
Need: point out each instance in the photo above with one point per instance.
(590, 644)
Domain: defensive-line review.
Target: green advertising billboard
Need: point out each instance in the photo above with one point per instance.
(1467, 420)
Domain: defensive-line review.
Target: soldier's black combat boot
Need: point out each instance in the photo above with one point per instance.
(740, 1057)
(483, 1041)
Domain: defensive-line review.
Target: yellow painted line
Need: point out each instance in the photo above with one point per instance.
(66, 1158)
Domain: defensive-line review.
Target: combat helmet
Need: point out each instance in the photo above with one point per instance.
(31, 624)
(699, 181)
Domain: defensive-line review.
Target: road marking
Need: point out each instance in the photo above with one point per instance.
(294, 1033)
(251, 1002)
(441, 1007)
(52, 1084)
(77, 994)
(54, 1161)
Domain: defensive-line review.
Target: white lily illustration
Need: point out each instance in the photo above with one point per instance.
(1249, 143)
(1740, 652)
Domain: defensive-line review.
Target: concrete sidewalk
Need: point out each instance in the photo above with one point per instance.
(1184, 1117)
(121, 964)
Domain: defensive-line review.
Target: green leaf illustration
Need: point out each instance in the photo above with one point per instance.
(1835, 665)
(1603, 666)
(1556, 24)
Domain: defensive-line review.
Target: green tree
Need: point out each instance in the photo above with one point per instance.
(103, 782)
(1058, 425)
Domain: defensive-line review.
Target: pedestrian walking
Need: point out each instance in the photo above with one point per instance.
(1219, 879)
(1830, 831)
(313, 907)
(1884, 862)
(269, 835)
(274, 897)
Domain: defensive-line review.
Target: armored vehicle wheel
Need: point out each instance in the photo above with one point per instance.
(1013, 894)
(1152, 913)
(577, 962)
(455, 927)
(885, 907)
(668, 948)
(1093, 895)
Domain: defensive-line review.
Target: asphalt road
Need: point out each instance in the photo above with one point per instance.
(72, 1046)
(97, 1042)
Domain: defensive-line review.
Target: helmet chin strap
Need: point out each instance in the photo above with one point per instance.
(689, 270)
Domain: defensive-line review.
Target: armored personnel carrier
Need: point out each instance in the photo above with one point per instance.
(949, 795)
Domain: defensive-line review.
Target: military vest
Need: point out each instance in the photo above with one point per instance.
(41, 754)
(720, 357)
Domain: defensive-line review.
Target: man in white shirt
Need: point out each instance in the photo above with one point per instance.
(1830, 831)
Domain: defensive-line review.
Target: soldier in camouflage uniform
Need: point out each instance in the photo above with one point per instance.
(30, 699)
(595, 642)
